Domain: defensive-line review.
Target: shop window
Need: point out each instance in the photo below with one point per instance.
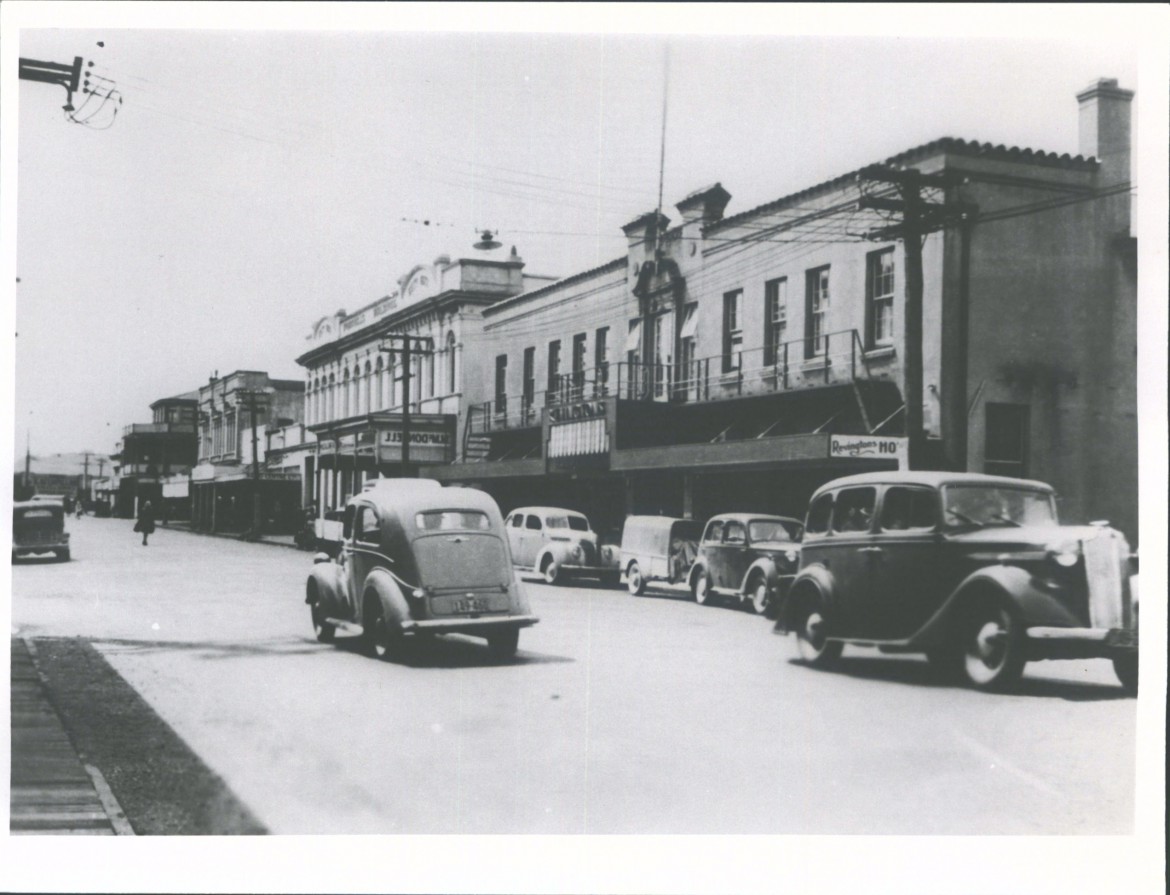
(554, 364)
(502, 383)
(732, 330)
(1006, 447)
(879, 303)
(451, 384)
(578, 364)
(816, 311)
(601, 359)
(529, 379)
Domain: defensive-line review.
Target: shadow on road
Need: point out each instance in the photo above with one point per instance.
(453, 651)
(914, 671)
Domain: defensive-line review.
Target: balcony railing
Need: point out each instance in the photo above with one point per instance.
(834, 358)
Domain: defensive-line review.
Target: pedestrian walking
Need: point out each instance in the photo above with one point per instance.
(145, 523)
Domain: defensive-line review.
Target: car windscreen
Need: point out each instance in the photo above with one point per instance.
(452, 520)
(984, 506)
(771, 530)
(574, 523)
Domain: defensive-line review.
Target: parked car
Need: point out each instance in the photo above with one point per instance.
(975, 571)
(559, 544)
(418, 559)
(748, 557)
(38, 526)
(657, 548)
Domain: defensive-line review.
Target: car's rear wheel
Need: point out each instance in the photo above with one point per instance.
(1126, 669)
(813, 647)
(551, 570)
(993, 649)
(380, 638)
(504, 644)
(321, 628)
(63, 554)
(758, 599)
(634, 581)
(701, 588)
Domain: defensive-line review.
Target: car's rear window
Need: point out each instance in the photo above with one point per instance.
(34, 514)
(770, 530)
(575, 523)
(452, 520)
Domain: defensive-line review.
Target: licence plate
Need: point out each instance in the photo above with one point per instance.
(469, 604)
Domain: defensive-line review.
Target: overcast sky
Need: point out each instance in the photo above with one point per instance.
(254, 181)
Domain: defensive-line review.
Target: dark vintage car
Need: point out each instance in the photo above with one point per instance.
(973, 570)
(657, 548)
(748, 557)
(418, 559)
(38, 526)
(559, 544)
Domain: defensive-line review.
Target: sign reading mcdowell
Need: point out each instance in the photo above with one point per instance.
(869, 447)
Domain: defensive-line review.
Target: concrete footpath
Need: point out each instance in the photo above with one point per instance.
(275, 540)
(53, 790)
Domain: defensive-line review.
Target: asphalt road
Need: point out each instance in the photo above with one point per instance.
(189, 673)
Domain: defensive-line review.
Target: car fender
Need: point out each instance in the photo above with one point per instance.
(558, 552)
(697, 567)
(380, 584)
(816, 577)
(330, 586)
(763, 566)
(1011, 583)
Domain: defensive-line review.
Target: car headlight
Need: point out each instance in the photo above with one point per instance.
(1065, 553)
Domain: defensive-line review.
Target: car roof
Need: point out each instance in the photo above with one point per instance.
(931, 478)
(38, 504)
(752, 517)
(545, 511)
(658, 521)
(405, 496)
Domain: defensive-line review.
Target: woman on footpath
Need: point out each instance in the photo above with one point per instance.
(145, 523)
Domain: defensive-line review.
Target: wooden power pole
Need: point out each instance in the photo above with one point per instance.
(919, 218)
(421, 346)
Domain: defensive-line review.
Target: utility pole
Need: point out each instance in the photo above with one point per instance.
(250, 396)
(919, 218)
(421, 346)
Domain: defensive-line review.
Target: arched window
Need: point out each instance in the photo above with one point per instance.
(451, 389)
(330, 408)
(345, 399)
(379, 394)
(397, 382)
(367, 406)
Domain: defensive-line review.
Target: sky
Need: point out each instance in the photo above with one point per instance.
(254, 181)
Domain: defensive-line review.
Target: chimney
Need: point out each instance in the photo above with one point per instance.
(1105, 128)
(705, 205)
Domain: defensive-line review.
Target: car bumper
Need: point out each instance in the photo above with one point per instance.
(475, 626)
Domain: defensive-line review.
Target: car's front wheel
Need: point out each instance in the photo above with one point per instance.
(551, 570)
(1126, 669)
(701, 588)
(634, 581)
(758, 597)
(993, 649)
(813, 647)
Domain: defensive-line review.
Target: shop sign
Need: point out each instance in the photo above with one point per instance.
(567, 413)
(427, 445)
(868, 447)
(347, 444)
(327, 446)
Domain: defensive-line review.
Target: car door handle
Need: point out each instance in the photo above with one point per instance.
(869, 550)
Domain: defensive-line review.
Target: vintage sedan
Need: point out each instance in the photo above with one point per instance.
(657, 548)
(746, 557)
(975, 571)
(418, 559)
(559, 544)
(38, 526)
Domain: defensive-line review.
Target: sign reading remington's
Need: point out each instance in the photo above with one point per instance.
(868, 447)
(580, 429)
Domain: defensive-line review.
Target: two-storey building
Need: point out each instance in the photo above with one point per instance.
(738, 362)
(385, 385)
(153, 460)
(232, 487)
